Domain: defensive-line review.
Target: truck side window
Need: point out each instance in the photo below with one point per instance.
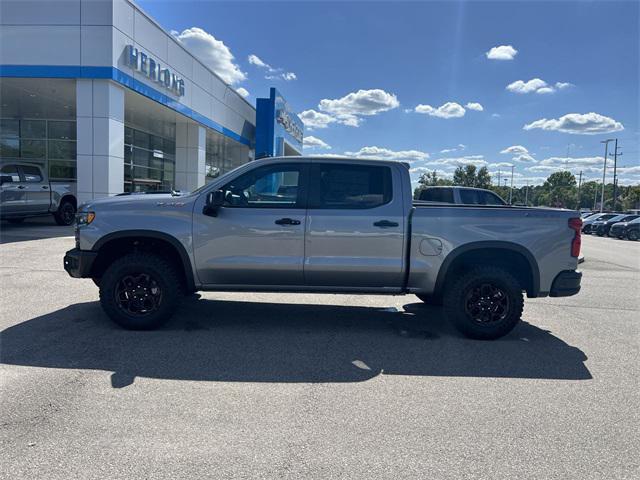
(444, 195)
(349, 186)
(10, 171)
(31, 174)
(276, 186)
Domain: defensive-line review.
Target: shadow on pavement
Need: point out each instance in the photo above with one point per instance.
(35, 228)
(210, 340)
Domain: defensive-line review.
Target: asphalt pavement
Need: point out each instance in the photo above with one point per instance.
(313, 386)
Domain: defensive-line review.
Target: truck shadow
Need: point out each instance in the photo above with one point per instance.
(244, 341)
(32, 229)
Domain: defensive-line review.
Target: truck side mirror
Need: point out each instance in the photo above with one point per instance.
(215, 200)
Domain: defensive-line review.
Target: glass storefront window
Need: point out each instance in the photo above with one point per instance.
(39, 125)
(148, 161)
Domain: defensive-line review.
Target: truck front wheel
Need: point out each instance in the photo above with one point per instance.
(66, 213)
(486, 303)
(140, 291)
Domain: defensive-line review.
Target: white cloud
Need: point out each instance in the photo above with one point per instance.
(500, 165)
(380, 153)
(460, 147)
(313, 119)
(243, 92)
(520, 153)
(578, 124)
(273, 73)
(588, 165)
(495, 115)
(448, 110)
(532, 85)
(213, 53)
(515, 150)
(474, 106)
(348, 109)
(314, 142)
(563, 85)
(477, 160)
(502, 52)
(255, 60)
(536, 85)
(523, 157)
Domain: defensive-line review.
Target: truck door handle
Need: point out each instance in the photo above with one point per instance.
(287, 221)
(385, 224)
(44, 187)
(21, 187)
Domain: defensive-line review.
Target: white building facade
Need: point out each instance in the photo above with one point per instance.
(96, 91)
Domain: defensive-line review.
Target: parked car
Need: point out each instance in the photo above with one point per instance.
(605, 228)
(587, 224)
(585, 214)
(627, 229)
(602, 227)
(26, 192)
(348, 226)
(460, 195)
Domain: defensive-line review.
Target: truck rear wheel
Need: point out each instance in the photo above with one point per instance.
(66, 213)
(485, 303)
(140, 291)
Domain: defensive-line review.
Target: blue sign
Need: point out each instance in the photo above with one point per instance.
(279, 131)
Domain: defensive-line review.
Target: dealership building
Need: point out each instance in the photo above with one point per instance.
(97, 92)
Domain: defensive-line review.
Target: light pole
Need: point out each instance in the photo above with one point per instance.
(604, 170)
(511, 190)
(579, 185)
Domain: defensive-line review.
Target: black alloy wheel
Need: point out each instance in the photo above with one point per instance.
(138, 294)
(487, 303)
(66, 214)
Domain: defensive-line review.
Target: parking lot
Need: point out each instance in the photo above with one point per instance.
(314, 386)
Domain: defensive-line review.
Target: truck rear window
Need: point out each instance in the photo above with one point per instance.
(444, 195)
(349, 186)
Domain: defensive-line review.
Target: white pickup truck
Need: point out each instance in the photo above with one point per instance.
(339, 225)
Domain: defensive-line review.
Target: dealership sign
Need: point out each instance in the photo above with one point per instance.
(284, 118)
(152, 69)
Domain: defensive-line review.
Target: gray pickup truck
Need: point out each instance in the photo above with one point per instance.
(337, 225)
(26, 192)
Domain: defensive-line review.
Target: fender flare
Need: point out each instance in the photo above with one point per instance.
(481, 245)
(153, 234)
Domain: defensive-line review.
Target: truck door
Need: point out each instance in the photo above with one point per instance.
(38, 198)
(355, 226)
(12, 191)
(257, 237)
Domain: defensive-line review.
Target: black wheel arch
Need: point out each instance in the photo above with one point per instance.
(515, 258)
(116, 244)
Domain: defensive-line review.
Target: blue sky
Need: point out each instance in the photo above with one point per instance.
(403, 80)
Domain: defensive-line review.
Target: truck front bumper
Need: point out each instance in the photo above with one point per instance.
(566, 283)
(78, 262)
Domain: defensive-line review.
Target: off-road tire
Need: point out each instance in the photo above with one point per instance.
(456, 298)
(66, 213)
(165, 278)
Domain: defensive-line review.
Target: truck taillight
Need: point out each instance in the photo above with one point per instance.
(575, 224)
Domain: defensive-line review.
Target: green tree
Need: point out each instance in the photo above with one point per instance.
(470, 176)
(429, 179)
(560, 190)
(483, 179)
(631, 198)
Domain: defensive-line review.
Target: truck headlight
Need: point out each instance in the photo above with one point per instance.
(84, 218)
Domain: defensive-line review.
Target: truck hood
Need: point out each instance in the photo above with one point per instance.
(137, 201)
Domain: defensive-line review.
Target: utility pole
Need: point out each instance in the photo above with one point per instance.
(498, 177)
(579, 185)
(511, 190)
(595, 195)
(526, 194)
(604, 171)
(615, 177)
